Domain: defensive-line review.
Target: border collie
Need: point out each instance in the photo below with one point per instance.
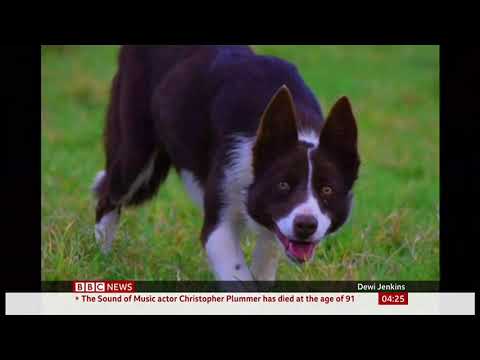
(249, 140)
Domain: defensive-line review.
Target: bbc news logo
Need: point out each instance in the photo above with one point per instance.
(113, 286)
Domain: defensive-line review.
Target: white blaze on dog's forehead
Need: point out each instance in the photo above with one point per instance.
(309, 136)
(308, 207)
(193, 187)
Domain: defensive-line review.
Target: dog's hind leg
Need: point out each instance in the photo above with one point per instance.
(136, 161)
(107, 212)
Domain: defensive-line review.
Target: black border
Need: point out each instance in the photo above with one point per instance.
(459, 165)
(22, 245)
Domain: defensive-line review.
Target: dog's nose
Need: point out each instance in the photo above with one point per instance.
(304, 225)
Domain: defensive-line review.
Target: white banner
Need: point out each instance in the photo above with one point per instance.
(238, 304)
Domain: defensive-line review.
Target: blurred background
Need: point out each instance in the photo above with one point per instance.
(394, 230)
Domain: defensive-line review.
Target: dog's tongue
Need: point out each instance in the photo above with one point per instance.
(301, 250)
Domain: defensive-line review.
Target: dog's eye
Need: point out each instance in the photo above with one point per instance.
(327, 190)
(283, 187)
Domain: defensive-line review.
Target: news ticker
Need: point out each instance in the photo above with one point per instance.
(124, 297)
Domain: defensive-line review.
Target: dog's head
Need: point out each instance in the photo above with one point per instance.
(302, 187)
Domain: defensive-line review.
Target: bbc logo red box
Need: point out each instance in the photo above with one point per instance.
(393, 298)
(110, 286)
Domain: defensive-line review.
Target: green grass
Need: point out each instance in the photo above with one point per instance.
(394, 230)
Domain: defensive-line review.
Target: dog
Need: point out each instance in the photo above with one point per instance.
(250, 142)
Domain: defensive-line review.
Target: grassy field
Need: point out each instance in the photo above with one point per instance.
(394, 230)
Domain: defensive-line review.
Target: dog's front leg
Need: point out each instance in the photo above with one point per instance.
(265, 257)
(225, 254)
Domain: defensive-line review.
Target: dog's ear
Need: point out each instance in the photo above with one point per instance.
(339, 137)
(277, 132)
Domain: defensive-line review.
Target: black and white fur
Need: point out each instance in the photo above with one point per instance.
(248, 139)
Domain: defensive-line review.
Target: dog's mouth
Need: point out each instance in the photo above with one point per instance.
(298, 251)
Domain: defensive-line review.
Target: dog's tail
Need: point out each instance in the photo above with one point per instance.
(130, 141)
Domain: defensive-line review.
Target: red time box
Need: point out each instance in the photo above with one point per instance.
(393, 298)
